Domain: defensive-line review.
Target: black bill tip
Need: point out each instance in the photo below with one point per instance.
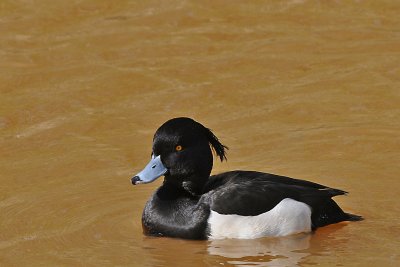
(136, 180)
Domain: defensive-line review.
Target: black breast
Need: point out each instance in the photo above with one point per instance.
(173, 214)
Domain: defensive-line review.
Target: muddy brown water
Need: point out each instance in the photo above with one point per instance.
(308, 89)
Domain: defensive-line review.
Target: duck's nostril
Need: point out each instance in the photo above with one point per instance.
(153, 166)
(135, 180)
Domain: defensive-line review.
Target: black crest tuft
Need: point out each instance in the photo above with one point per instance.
(216, 145)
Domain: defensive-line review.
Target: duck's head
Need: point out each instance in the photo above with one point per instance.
(182, 152)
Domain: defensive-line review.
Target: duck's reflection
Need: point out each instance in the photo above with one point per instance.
(283, 251)
(294, 250)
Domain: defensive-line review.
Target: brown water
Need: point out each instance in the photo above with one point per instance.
(308, 89)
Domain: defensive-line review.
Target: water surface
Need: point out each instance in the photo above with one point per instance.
(308, 89)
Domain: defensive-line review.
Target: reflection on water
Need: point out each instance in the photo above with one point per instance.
(284, 251)
(292, 250)
(277, 252)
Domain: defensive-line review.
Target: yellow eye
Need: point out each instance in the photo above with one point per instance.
(178, 148)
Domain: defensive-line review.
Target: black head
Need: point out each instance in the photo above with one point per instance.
(185, 149)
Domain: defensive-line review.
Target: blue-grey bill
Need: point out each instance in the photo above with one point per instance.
(153, 170)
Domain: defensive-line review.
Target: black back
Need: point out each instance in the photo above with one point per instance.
(250, 193)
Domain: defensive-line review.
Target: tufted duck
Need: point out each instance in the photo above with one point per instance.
(192, 204)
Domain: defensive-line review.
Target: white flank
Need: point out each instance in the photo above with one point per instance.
(286, 218)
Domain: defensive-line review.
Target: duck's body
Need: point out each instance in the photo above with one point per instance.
(238, 204)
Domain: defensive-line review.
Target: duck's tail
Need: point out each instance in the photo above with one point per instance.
(328, 212)
(353, 217)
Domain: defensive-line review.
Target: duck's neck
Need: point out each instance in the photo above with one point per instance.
(172, 191)
(192, 185)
